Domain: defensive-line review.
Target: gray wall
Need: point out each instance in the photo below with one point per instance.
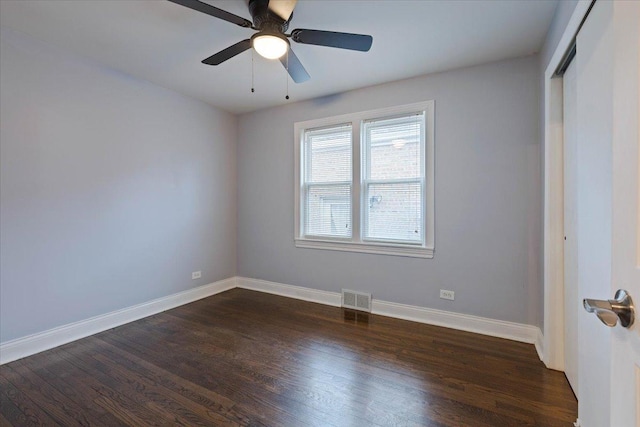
(113, 190)
(488, 234)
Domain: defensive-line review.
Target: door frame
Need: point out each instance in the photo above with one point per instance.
(553, 245)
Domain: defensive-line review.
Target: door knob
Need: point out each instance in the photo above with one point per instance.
(610, 311)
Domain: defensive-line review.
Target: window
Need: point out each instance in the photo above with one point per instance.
(364, 182)
(327, 182)
(393, 179)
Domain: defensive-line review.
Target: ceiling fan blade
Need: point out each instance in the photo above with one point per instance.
(282, 8)
(359, 42)
(214, 11)
(228, 53)
(294, 67)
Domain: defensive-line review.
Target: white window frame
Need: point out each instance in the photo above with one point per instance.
(356, 243)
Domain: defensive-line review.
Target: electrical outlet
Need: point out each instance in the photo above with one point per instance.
(445, 294)
(196, 275)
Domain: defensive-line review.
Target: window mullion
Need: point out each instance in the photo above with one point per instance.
(365, 180)
(327, 183)
(356, 197)
(395, 181)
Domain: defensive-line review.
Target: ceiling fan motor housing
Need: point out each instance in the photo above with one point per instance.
(266, 20)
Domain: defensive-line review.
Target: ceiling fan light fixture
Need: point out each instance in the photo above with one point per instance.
(270, 46)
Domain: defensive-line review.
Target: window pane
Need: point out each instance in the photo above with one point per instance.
(328, 211)
(328, 154)
(393, 176)
(394, 212)
(394, 147)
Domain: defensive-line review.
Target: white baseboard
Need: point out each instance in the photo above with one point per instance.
(464, 322)
(32, 344)
(297, 292)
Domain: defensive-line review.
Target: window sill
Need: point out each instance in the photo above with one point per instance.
(367, 248)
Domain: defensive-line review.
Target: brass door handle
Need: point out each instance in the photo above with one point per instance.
(610, 311)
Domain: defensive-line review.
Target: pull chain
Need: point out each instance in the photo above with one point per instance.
(287, 75)
(252, 85)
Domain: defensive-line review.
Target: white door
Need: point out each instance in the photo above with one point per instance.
(625, 375)
(572, 303)
(608, 171)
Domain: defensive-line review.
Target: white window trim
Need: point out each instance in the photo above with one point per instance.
(355, 244)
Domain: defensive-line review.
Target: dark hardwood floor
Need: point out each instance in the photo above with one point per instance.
(248, 358)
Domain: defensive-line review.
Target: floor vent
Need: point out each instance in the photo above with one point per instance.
(356, 300)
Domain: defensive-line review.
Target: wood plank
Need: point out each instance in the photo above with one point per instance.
(69, 381)
(63, 408)
(18, 407)
(259, 398)
(205, 398)
(248, 358)
(161, 409)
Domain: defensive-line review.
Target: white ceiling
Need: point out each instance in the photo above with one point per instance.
(164, 43)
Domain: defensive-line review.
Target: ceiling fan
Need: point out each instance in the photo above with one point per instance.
(271, 19)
